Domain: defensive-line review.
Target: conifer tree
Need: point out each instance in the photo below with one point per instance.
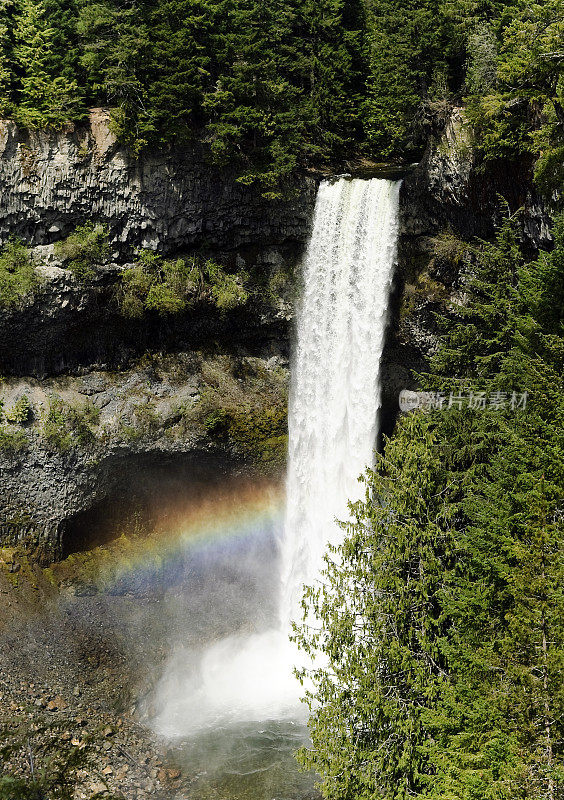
(407, 55)
(47, 93)
(381, 626)
(115, 42)
(6, 57)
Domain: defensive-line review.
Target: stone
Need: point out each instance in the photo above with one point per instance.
(55, 496)
(57, 704)
(447, 191)
(163, 200)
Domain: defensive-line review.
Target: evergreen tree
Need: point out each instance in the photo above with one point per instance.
(115, 40)
(45, 64)
(6, 57)
(407, 60)
(286, 85)
(484, 718)
(180, 61)
(381, 625)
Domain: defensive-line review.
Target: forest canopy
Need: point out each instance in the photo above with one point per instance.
(272, 86)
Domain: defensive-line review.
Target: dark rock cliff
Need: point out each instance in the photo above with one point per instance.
(194, 394)
(166, 201)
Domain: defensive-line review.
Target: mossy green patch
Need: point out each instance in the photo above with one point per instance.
(12, 441)
(21, 411)
(66, 426)
(169, 287)
(244, 404)
(18, 278)
(85, 248)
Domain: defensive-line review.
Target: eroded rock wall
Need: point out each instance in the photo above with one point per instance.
(105, 444)
(166, 201)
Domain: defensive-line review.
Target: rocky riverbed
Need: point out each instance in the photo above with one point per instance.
(70, 679)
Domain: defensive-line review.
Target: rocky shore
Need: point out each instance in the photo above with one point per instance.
(68, 678)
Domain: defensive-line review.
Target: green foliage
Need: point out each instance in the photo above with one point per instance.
(66, 426)
(169, 287)
(262, 431)
(18, 279)
(270, 88)
(21, 412)
(12, 442)
(481, 71)
(449, 250)
(240, 404)
(257, 429)
(265, 85)
(226, 290)
(441, 616)
(6, 57)
(115, 47)
(85, 248)
(45, 59)
(288, 86)
(407, 58)
(523, 113)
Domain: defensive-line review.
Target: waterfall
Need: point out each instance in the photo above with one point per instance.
(333, 418)
(335, 392)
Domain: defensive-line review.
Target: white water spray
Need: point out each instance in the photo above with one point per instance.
(335, 397)
(333, 418)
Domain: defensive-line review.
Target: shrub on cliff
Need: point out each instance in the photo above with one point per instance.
(171, 286)
(66, 426)
(86, 247)
(18, 278)
(12, 442)
(21, 412)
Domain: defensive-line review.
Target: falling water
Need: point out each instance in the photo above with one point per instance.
(335, 396)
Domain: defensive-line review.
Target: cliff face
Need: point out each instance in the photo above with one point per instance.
(69, 326)
(122, 409)
(450, 193)
(449, 190)
(166, 201)
(107, 450)
(114, 420)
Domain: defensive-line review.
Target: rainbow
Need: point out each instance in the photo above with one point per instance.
(213, 519)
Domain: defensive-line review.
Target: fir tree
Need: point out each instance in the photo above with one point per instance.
(6, 57)
(47, 93)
